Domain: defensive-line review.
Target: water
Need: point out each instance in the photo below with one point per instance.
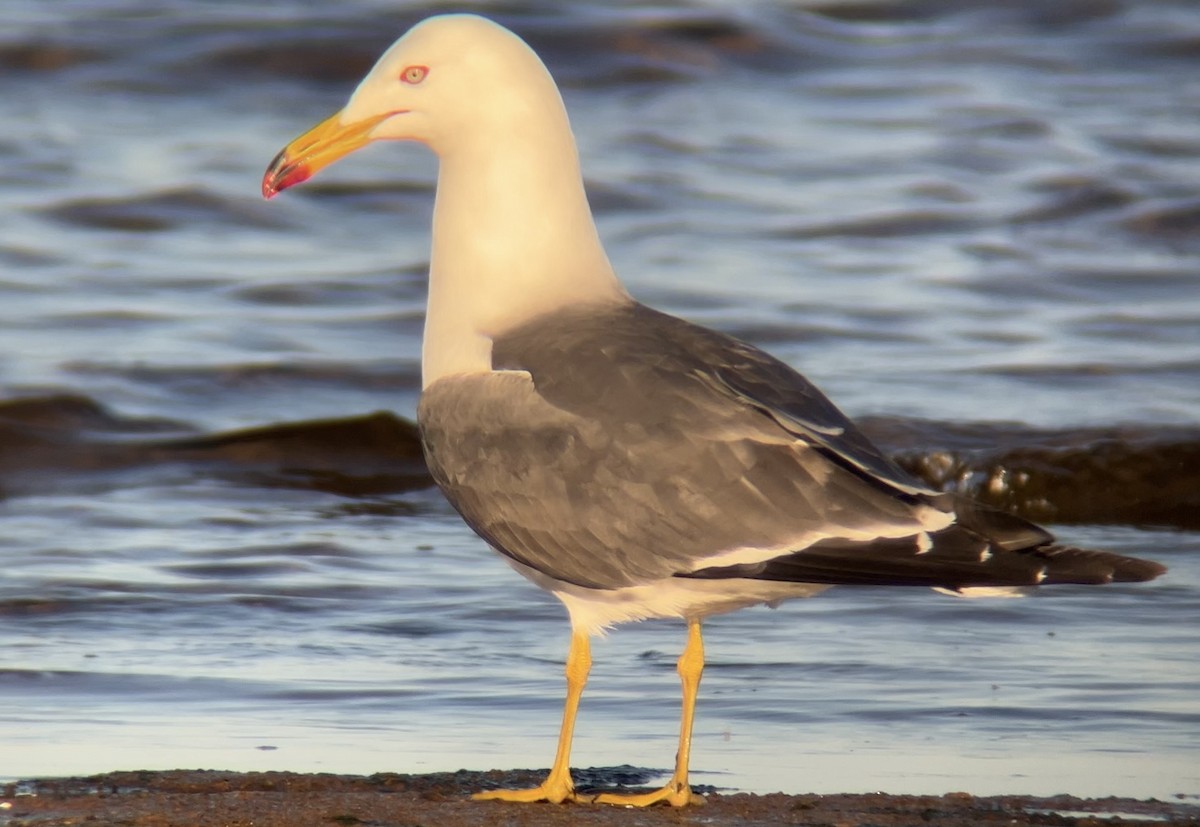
(976, 225)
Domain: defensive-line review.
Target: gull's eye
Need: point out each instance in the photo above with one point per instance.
(414, 74)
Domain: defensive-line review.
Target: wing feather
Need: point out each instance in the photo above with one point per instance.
(604, 453)
(620, 446)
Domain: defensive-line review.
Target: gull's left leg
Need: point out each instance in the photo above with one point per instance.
(677, 793)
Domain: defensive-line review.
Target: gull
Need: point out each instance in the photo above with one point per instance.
(631, 463)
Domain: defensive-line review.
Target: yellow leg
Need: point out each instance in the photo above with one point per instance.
(558, 786)
(677, 793)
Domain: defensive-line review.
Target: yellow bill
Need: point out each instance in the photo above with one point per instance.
(315, 149)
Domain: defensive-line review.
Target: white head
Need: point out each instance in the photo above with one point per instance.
(455, 78)
(513, 235)
(449, 80)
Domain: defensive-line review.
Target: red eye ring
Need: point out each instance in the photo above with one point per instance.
(414, 74)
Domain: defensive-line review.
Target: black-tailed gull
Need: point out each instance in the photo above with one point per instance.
(633, 464)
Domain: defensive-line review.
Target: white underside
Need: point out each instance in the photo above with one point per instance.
(594, 611)
(972, 592)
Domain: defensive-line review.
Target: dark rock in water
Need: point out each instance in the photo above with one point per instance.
(356, 456)
(49, 441)
(45, 441)
(1115, 476)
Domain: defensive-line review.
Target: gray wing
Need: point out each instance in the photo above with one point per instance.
(576, 357)
(762, 382)
(620, 446)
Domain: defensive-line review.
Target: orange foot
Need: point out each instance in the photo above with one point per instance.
(674, 794)
(554, 789)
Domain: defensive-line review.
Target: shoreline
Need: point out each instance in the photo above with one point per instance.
(210, 798)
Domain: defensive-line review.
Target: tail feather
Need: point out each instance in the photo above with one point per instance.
(983, 548)
(1067, 564)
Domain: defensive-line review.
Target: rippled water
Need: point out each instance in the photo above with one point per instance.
(977, 225)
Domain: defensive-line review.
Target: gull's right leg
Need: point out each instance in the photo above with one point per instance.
(558, 786)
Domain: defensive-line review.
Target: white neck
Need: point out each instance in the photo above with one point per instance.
(513, 237)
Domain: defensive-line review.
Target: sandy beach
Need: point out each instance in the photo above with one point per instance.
(225, 799)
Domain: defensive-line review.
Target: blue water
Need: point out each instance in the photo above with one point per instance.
(973, 215)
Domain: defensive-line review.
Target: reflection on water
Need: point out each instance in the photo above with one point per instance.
(977, 225)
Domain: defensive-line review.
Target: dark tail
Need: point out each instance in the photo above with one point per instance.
(985, 547)
(1066, 564)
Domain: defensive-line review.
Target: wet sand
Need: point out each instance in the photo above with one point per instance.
(227, 799)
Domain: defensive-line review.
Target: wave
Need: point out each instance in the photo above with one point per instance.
(1129, 475)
